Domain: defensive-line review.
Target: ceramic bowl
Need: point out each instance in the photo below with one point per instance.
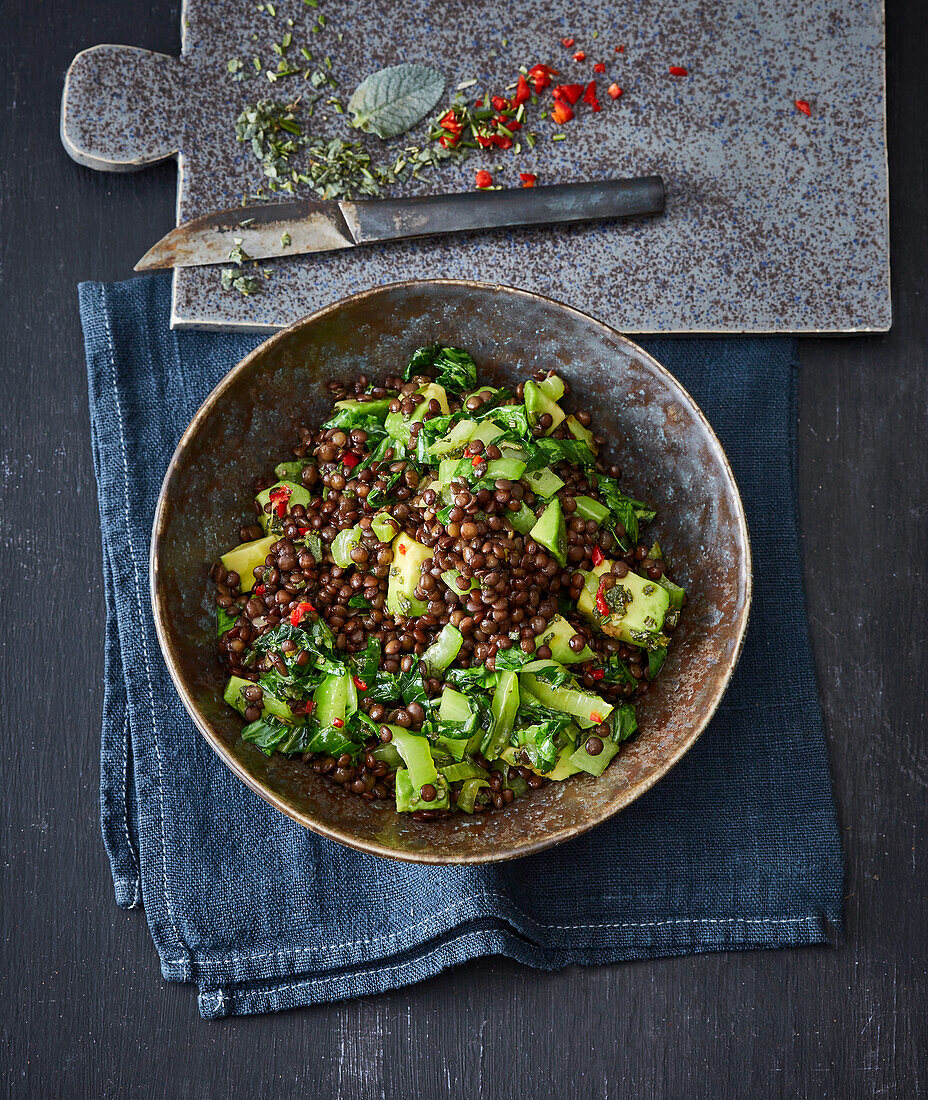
(668, 453)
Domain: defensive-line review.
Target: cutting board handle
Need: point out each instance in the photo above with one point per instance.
(108, 121)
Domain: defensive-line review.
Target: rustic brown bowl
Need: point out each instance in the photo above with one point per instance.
(662, 441)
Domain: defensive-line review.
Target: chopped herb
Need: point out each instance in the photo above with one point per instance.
(285, 240)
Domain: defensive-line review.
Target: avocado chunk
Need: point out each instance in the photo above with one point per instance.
(408, 556)
(588, 508)
(379, 407)
(551, 531)
(297, 495)
(523, 520)
(544, 482)
(245, 558)
(556, 636)
(636, 607)
(538, 402)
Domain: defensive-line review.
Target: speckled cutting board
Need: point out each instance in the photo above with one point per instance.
(776, 222)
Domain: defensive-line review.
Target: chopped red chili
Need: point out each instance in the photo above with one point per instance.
(299, 611)
(476, 460)
(601, 606)
(596, 717)
(561, 113)
(569, 92)
(529, 179)
(450, 122)
(620, 49)
(598, 556)
(802, 105)
(359, 684)
(678, 70)
(259, 591)
(579, 56)
(567, 43)
(483, 178)
(499, 104)
(350, 459)
(597, 674)
(279, 497)
(523, 92)
(599, 67)
(589, 96)
(614, 90)
(540, 76)
(338, 722)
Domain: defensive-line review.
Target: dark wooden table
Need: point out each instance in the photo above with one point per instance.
(85, 1012)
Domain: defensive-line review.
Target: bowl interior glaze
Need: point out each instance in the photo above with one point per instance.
(669, 456)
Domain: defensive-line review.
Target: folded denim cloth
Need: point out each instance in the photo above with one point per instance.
(736, 848)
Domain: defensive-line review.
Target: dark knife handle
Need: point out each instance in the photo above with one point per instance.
(398, 219)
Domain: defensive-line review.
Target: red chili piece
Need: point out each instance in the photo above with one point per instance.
(338, 722)
(620, 49)
(350, 459)
(596, 717)
(561, 113)
(614, 90)
(279, 497)
(580, 56)
(359, 684)
(598, 673)
(802, 105)
(484, 179)
(569, 92)
(499, 104)
(299, 611)
(450, 122)
(259, 591)
(598, 556)
(523, 92)
(599, 67)
(678, 70)
(601, 606)
(540, 76)
(529, 179)
(589, 96)
(567, 43)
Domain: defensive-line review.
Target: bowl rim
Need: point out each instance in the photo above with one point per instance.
(333, 832)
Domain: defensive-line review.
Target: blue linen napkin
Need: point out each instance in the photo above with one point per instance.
(736, 848)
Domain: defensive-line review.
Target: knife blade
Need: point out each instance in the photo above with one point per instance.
(318, 225)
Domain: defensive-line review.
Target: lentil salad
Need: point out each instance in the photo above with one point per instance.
(445, 598)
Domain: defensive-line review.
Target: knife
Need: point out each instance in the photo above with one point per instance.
(318, 225)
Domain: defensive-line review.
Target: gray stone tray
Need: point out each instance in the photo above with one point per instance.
(775, 222)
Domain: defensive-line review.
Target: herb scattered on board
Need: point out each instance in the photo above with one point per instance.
(391, 101)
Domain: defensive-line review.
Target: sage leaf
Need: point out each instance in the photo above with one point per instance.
(393, 100)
